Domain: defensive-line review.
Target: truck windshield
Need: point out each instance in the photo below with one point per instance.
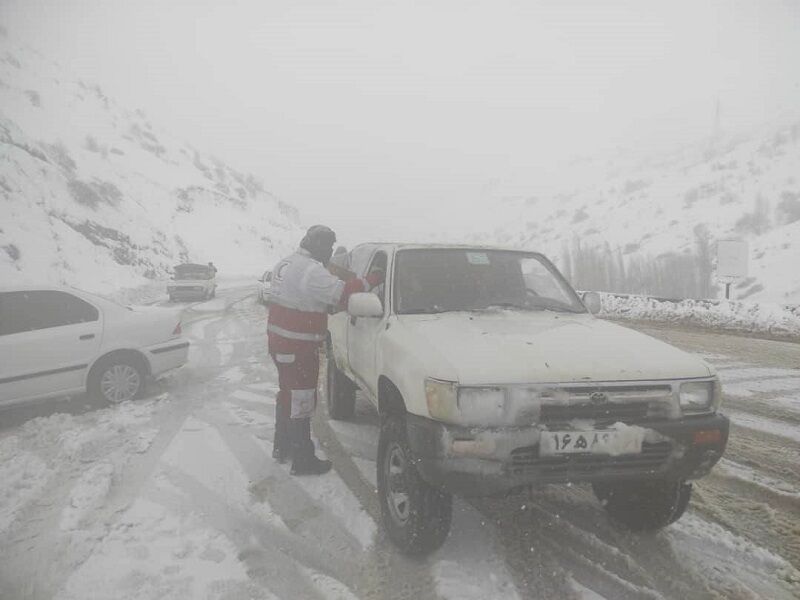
(448, 279)
(188, 274)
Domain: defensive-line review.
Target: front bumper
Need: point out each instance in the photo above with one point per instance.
(488, 461)
(187, 293)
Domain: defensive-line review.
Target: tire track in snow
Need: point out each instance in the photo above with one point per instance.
(301, 513)
(275, 559)
(48, 556)
(566, 534)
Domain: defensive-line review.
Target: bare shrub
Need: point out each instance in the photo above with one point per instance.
(789, 207)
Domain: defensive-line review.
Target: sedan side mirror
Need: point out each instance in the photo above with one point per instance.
(364, 305)
(592, 302)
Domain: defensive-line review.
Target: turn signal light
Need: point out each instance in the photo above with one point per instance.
(707, 436)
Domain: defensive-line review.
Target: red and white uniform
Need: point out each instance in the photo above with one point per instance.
(303, 291)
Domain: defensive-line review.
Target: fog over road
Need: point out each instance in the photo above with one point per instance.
(177, 496)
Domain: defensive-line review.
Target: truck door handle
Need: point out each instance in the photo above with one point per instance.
(87, 336)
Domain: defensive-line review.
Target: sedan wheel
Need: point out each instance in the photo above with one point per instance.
(120, 382)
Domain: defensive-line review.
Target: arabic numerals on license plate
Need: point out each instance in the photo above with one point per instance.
(580, 441)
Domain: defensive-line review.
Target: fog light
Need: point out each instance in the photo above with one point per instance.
(707, 436)
(484, 447)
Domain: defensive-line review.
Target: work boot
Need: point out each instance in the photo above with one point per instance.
(310, 465)
(304, 460)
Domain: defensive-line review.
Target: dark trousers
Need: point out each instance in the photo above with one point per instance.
(298, 375)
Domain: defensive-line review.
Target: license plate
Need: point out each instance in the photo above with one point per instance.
(628, 441)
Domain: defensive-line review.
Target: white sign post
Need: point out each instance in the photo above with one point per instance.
(732, 260)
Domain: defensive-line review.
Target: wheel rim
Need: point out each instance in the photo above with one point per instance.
(120, 383)
(395, 469)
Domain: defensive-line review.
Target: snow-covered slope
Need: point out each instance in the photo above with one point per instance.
(94, 195)
(746, 188)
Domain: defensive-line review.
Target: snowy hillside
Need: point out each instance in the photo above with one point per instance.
(745, 188)
(95, 196)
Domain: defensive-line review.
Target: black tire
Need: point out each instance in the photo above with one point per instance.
(644, 505)
(420, 523)
(340, 392)
(116, 370)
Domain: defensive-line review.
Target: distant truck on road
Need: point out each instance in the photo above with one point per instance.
(193, 282)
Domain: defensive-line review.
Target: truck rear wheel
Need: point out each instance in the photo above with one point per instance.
(415, 515)
(644, 505)
(340, 392)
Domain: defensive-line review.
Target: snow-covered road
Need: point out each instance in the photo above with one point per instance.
(176, 497)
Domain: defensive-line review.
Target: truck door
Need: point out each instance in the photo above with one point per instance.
(362, 335)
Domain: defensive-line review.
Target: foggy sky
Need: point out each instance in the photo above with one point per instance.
(367, 114)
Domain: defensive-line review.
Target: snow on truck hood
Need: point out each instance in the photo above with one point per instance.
(506, 347)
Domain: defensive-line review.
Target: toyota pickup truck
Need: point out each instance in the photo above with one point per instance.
(491, 375)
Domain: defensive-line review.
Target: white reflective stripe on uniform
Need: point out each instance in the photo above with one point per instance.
(284, 359)
(303, 403)
(294, 335)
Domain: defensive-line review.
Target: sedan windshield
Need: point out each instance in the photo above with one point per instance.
(449, 279)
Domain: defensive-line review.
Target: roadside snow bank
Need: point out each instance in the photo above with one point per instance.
(732, 315)
(21, 479)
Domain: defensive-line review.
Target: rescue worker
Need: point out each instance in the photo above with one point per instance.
(303, 291)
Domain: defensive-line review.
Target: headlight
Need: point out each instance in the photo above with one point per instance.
(466, 405)
(482, 406)
(699, 396)
(441, 397)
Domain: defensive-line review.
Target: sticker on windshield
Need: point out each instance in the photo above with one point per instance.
(478, 258)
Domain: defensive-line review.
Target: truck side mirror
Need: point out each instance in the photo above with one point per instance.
(592, 302)
(364, 305)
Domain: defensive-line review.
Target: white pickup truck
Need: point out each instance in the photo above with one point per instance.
(490, 375)
(192, 282)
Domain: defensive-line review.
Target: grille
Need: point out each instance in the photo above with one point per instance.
(626, 404)
(527, 459)
(627, 413)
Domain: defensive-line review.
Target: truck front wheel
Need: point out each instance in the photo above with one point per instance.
(415, 515)
(340, 392)
(644, 505)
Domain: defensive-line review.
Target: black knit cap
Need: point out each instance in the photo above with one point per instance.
(319, 241)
